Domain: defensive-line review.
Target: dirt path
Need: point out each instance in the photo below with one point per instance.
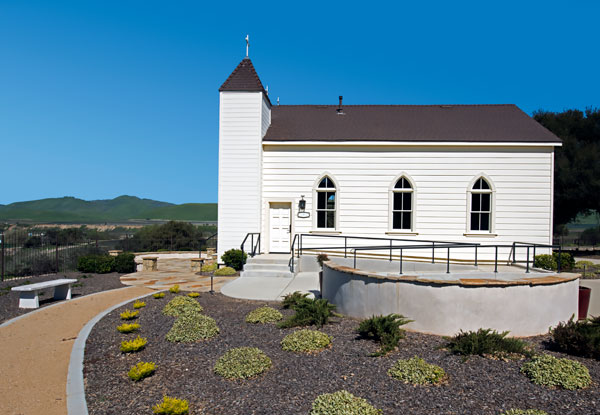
(35, 352)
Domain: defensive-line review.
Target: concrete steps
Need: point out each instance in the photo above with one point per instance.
(273, 266)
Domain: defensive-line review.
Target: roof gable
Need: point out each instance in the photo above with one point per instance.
(394, 123)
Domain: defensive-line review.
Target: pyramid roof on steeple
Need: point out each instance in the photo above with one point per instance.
(244, 78)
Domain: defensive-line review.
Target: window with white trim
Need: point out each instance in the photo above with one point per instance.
(326, 204)
(402, 205)
(481, 206)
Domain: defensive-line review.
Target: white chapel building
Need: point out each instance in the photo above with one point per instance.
(459, 173)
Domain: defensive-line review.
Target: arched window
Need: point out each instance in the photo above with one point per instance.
(402, 205)
(480, 214)
(326, 204)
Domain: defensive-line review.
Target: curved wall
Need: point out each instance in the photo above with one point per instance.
(521, 307)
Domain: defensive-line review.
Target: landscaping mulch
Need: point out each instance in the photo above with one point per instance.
(86, 284)
(476, 386)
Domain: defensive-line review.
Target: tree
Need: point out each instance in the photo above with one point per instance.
(577, 162)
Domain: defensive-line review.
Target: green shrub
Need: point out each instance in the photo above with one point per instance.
(99, 264)
(308, 312)
(209, 267)
(181, 305)
(139, 304)
(524, 412)
(128, 328)
(125, 263)
(192, 327)
(129, 315)
(417, 371)
(322, 258)
(567, 261)
(383, 329)
(546, 370)
(174, 289)
(242, 363)
(581, 264)
(305, 341)
(544, 262)
(171, 406)
(134, 345)
(158, 295)
(290, 300)
(550, 262)
(487, 342)
(224, 272)
(234, 258)
(141, 370)
(193, 295)
(581, 338)
(342, 403)
(263, 315)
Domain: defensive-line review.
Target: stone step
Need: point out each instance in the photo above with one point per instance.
(268, 260)
(266, 273)
(270, 267)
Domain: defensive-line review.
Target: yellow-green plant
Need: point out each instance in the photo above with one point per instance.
(209, 267)
(263, 315)
(305, 341)
(191, 327)
(128, 328)
(134, 345)
(342, 403)
(194, 294)
(242, 363)
(158, 295)
(141, 370)
(417, 372)
(129, 315)
(139, 304)
(549, 371)
(224, 272)
(171, 406)
(174, 289)
(181, 305)
(524, 412)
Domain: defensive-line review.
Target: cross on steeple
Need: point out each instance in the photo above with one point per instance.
(247, 44)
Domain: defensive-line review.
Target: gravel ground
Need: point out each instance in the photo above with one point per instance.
(86, 284)
(477, 386)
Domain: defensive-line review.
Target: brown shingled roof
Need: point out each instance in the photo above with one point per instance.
(243, 78)
(450, 123)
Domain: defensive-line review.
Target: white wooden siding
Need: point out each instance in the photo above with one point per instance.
(522, 177)
(241, 125)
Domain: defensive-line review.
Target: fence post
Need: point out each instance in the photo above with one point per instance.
(345, 246)
(527, 270)
(390, 250)
(433, 252)
(448, 262)
(57, 257)
(475, 255)
(400, 261)
(2, 242)
(496, 260)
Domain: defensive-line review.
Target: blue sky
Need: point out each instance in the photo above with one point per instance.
(104, 98)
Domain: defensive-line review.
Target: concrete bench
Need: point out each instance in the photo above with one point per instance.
(28, 297)
(150, 263)
(196, 264)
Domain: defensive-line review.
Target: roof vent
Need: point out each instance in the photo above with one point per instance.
(340, 110)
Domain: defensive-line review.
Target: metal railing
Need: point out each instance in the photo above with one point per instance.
(254, 247)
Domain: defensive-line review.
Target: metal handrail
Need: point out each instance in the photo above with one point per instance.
(291, 261)
(253, 246)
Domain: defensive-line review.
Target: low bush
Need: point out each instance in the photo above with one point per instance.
(171, 406)
(524, 412)
(234, 258)
(263, 315)
(550, 262)
(487, 343)
(322, 258)
(139, 304)
(141, 370)
(549, 371)
(385, 330)
(224, 272)
(192, 327)
(193, 295)
(305, 341)
(129, 315)
(134, 345)
(242, 363)
(342, 403)
(310, 312)
(158, 295)
(417, 371)
(128, 328)
(99, 264)
(544, 262)
(174, 289)
(290, 300)
(209, 267)
(181, 305)
(125, 263)
(579, 338)
(579, 265)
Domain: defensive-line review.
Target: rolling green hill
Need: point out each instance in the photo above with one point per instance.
(122, 208)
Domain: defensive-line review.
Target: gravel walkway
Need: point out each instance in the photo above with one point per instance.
(479, 386)
(86, 284)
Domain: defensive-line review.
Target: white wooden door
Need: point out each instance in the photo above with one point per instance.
(279, 227)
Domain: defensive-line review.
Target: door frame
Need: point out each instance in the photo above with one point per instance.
(268, 220)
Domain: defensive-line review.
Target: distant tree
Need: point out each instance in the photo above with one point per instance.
(577, 162)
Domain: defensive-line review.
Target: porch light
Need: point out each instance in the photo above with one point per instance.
(302, 204)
